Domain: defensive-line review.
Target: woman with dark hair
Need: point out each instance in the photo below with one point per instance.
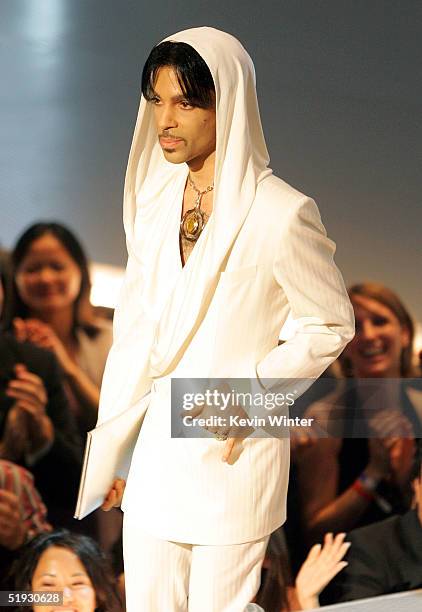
(37, 429)
(49, 306)
(72, 564)
(360, 473)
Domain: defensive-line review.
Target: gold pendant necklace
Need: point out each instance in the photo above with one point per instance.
(193, 221)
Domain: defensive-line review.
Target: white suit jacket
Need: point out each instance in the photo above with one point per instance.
(263, 253)
(281, 262)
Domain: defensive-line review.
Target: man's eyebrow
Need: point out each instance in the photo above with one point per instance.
(177, 98)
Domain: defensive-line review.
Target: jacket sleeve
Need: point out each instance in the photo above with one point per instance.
(304, 268)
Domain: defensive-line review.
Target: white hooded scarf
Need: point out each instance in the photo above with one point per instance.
(162, 305)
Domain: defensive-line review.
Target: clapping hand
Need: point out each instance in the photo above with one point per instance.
(395, 433)
(43, 336)
(28, 413)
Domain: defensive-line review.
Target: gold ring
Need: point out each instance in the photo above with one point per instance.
(221, 437)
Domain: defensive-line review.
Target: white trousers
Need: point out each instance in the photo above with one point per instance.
(162, 576)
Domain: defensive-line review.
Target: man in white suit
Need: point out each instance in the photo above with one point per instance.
(220, 251)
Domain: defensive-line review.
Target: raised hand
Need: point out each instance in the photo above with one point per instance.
(395, 434)
(321, 565)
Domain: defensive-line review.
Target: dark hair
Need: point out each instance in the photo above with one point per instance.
(192, 72)
(385, 296)
(272, 594)
(83, 316)
(88, 552)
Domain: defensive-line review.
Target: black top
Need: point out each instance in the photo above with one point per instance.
(384, 558)
(57, 472)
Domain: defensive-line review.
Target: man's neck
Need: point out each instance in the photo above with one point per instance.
(202, 171)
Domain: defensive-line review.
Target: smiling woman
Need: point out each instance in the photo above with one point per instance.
(361, 474)
(383, 343)
(69, 563)
(49, 306)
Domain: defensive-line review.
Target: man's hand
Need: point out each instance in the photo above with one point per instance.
(12, 527)
(115, 495)
(30, 397)
(229, 433)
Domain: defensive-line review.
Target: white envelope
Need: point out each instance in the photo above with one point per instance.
(108, 453)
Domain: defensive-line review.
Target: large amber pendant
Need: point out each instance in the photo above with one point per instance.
(192, 224)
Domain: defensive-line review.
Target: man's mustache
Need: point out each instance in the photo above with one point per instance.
(171, 136)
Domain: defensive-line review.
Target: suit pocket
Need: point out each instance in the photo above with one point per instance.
(239, 275)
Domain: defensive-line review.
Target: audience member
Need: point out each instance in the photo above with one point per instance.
(37, 429)
(354, 478)
(276, 593)
(22, 514)
(70, 563)
(49, 306)
(385, 557)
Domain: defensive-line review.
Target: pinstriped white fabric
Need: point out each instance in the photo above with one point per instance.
(163, 576)
(282, 260)
(180, 490)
